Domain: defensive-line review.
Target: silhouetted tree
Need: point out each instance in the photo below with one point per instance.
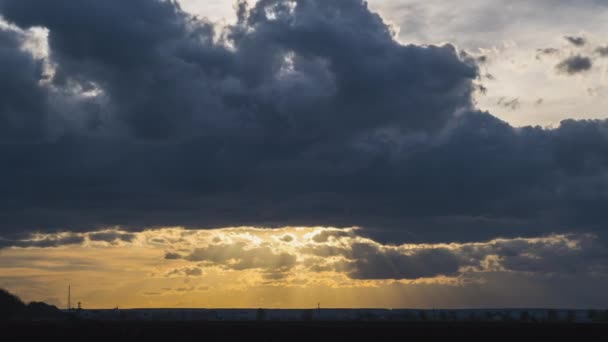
(39, 310)
(11, 306)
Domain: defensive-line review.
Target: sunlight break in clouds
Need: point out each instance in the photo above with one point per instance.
(179, 267)
(304, 113)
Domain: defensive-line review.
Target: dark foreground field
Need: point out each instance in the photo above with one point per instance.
(284, 331)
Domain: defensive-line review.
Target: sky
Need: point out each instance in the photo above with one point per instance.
(282, 153)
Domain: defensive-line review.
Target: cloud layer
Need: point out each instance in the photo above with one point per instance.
(344, 252)
(251, 267)
(304, 112)
(574, 65)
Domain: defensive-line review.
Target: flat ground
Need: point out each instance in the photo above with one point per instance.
(286, 331)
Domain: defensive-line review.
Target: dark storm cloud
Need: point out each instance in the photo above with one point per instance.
(172, 256)
(602, 51)
(546, 52)
(22, 100)
(574, 65)
(565, 254)
(37, 240)
(370, 262)
(576, 41)
(45, 241)
(557, 254)
(112, 236)
(305, 112)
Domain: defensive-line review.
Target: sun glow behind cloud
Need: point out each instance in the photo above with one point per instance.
(308, 114)
(286, 267)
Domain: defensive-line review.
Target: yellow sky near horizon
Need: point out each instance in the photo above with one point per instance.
(272, 268)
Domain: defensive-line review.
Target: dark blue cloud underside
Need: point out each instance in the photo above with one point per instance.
(314, 115)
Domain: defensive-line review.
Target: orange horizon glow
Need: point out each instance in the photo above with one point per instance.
(243, 267)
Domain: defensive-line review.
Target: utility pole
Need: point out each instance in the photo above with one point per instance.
(69, 297)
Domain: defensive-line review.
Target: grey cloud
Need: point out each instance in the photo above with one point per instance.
(482, 59)
(558, 254)
(371, 262)
(325, 251)
(67, 238)
(172, 256)
(561, 255)
(210, 79)
(185, 272)
(478, 58)
(480, 23)
(513, 104)
(327, 234)
(481, 89)
(602, 51)
(546, 52)
(238, 256)
(287, 238)
(289, 95)
(272, 276)
(576, 41)
(111, 236)
(574, 65)
(44, 242)
(22, 101)
(303, 116)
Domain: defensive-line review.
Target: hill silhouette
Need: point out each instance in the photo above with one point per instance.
(13, 308)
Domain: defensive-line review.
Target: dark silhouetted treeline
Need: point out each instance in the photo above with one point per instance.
(13, 308)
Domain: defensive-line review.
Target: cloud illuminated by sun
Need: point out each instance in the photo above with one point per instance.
(197, 267)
